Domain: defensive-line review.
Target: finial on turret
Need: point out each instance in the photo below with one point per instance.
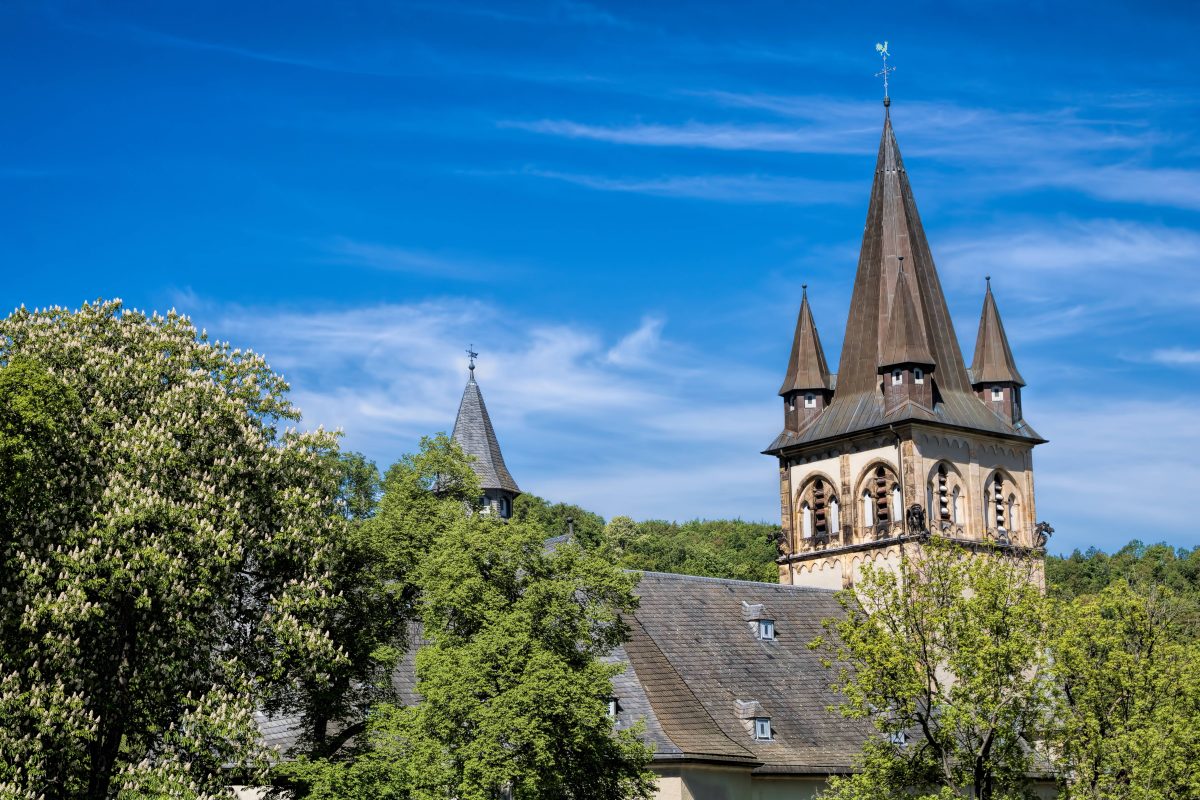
(804, 289)
(988, 278)
(471, 355)
(882, 49)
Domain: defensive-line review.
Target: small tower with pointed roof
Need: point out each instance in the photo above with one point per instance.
(475, 435)
(994, 373)
(807, 386)
(903, 440)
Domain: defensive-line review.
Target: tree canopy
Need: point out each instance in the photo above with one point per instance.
(511, 673)
(163, 553)
(946, 657)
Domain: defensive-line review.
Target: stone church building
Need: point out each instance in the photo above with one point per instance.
(902, 440)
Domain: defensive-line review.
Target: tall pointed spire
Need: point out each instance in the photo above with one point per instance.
(897, 317)
(994, 362)
(806, 367)
(474, 433)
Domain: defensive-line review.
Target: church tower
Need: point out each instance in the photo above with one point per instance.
(903, 440)
(475, 435)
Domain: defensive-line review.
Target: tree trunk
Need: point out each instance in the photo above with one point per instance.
(107, 746)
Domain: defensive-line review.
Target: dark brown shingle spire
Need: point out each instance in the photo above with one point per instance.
(806, 367)
(893, 235)
(474, 433)
(994, 362)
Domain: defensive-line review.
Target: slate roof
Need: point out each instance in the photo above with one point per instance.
(690, 659)
(694, 657)
(994, 362)
(806, 366)
(893, 229)
(475, 435)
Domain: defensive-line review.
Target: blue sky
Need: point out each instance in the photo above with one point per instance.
(617, 204)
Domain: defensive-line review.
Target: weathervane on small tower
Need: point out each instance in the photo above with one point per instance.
(472, 355)
(882, 49)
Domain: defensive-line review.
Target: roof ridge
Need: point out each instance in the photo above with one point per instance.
(733, 581)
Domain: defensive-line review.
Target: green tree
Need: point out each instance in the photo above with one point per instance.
(513, 677)
(946, 657)
(716, 548)
(1127, 723)
(163, 554)
(557, 519)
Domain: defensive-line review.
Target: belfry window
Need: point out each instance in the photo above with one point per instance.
(835, 517)
(810, 400)
(868, 510)
(897, 503)
(918, 375)
(997, 394)
(998, 503)
(806, 517)
(897, 377)
(943, 496)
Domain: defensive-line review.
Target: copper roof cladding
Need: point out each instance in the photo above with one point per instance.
(994, 362)
(893, 229)
(806, 367)
(474, 433)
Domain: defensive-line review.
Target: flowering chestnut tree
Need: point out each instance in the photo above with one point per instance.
(164, 555)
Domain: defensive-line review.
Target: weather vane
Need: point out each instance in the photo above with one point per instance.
(472, 355)
(882, 49)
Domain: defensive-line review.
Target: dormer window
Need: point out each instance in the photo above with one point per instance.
(897, 377)
(997, 394)
(762, 728)
(766, 630)
(918, 375)
(810, 400)
(613, 707)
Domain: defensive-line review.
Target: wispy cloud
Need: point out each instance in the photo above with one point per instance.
(581, 416)
(723, 188)
(1072, 276)
(1005, 152)
(1176, 357)
(393, 258)
(637, 348)
(713, 136)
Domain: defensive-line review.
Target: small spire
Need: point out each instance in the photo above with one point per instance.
(994, 362)
(806, 366)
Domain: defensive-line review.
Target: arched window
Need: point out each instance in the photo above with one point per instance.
(812, 508)
(835, 517)
(956, 506)
(1011, 511)
(868, 508)
(897, 502)
(806, 516)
